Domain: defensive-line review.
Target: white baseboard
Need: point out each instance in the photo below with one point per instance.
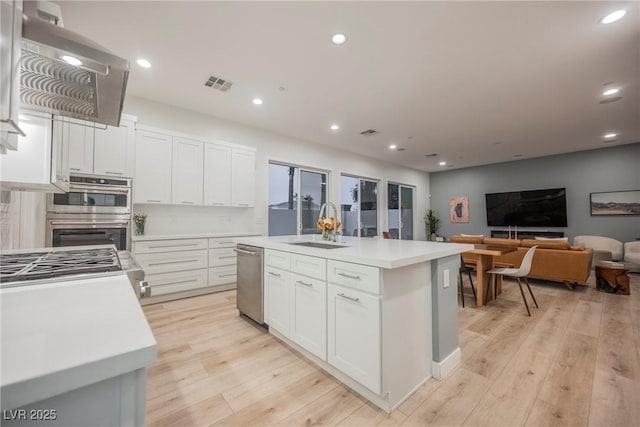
(440, 370)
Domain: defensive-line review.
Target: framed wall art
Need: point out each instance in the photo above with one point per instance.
(459, 209)
(615, 203)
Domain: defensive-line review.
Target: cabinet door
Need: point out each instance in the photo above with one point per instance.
(309, 314)
(80, 140)
(152, 183)
(354, 335)
(186, 177)
(112, 151)
(217, 175)
(278, 299)
(243, 173)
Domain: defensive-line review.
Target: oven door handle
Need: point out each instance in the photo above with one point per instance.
(101, 190)
(89, 222)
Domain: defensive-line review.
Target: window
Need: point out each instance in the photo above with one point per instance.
(295, 197)
(400, 211)
(359, 206)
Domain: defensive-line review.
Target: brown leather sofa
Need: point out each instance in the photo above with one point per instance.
(553, 260)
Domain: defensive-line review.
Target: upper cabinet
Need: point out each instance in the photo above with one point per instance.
(11, 36)
(193, 172)
(186, 173)
(243, 176)
(152, 182)
(100, 151)
(42, 162)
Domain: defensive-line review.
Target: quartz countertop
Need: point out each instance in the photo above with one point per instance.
(61, 336)
(384, 253)
(192, 236)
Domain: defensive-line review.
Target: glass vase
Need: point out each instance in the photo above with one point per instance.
(139, 228)
(325, 235)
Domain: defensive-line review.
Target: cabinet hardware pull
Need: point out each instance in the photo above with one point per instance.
(245, 252)
(349, 298)
(188, 203)
(243, 204)
(153, 201)
(172, 262)
(75, 169)
(274, 274)
(227, 275)
(173, 245)
(217, 203)
(180, 281)
(349, 276)
(113, 173)
(304, 283)
(225, 257)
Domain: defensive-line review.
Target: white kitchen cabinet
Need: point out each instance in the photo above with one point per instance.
(217, 175)
(11, 35)
(152, 182)
(113, 153)
(186, 172)
(97, 150)
(309, 314)
(42, 162)
(354, 319)
(278, 294)
(243, 175)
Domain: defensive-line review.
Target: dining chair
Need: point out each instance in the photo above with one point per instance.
(464, 268)
(387, 235)
(517, 273)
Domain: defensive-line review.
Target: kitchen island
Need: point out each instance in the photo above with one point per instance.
(379, 315)
(74, 352)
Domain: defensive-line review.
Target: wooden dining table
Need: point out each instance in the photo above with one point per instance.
(485, 262)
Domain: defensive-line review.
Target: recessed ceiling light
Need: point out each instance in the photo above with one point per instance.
(393, 147)
(143, 63)
(338, 39)
(610, 135)
(257, 101)
(71, 60)
(442, 163)
(610, 92)
(613, 17)
(335, 127)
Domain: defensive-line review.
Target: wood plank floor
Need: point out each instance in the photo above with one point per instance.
(574, 362)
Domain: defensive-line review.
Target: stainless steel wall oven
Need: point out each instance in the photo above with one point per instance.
(95, 211)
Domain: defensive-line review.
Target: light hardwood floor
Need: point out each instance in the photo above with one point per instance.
(574, 362)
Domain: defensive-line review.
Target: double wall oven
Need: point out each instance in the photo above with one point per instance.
(95, 211)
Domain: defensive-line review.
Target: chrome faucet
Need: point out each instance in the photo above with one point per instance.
(324, 209)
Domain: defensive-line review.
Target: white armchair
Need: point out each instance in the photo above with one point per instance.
(632, 254)
(604, 248)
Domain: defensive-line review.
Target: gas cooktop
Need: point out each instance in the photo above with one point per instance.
(20, 267)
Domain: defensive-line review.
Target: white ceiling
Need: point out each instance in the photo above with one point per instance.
(475, 82)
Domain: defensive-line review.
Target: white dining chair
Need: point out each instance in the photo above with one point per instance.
(517, 273)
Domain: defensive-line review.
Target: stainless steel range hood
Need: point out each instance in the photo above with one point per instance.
(92, 90)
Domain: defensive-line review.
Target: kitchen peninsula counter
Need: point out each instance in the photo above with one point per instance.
(380, 315)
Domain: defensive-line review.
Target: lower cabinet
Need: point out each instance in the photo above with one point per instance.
(278, 299)
(179, 281)
(309, 314)
(354, 334)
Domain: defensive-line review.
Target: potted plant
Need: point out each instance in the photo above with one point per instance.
(431, 223)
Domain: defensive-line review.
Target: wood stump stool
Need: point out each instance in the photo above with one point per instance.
(612, 277)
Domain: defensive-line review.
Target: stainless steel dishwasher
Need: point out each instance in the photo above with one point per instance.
(250, 282)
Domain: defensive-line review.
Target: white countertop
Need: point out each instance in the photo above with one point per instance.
(62, 336)
(191, 236)
(384, 253)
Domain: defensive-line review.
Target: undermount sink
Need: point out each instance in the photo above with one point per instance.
(319, 245)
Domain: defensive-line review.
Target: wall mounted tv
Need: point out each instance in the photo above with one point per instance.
(534, 208)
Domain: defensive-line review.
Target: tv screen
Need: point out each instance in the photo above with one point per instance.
(534, 208)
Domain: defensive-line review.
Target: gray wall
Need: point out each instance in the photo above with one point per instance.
(444, 302)
(609, 169)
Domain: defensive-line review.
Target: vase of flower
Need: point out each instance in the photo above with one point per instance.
(328, 225)
(139, 220)
(325, 235)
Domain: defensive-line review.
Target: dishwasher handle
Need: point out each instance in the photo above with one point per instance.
(242, 251)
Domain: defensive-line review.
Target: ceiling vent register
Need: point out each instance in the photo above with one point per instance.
(369, 132)
(217, 83)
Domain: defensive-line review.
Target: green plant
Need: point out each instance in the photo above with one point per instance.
(431, 222)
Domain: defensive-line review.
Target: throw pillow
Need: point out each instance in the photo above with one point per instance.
(557, 239)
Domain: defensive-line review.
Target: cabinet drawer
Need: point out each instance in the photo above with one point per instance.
(155, 246)
(277, 259)
(223, 275)
(221, 242)
(168, 262)
(224, 256)
(362, 277)
(309, 266)
(167, 283)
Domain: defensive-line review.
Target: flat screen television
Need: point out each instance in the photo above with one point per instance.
(534, 208)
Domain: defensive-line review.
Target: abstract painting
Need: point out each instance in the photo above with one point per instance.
(616, 203)
(460, 209)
